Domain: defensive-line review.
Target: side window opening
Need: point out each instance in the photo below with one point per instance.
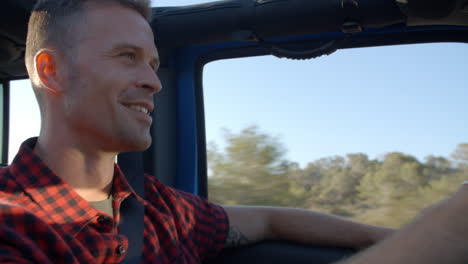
(373, 134)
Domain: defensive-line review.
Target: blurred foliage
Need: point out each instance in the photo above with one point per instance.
(252, 170)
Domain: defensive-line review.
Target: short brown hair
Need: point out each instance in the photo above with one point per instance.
(52, 21)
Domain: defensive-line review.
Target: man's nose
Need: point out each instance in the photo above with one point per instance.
(150, 81)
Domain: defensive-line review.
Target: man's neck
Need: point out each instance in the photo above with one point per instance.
(89, 172)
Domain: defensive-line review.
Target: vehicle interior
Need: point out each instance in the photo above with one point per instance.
(189, 37)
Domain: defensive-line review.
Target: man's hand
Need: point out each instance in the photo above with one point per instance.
(252, 224)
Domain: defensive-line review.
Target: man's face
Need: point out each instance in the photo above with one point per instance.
(112, 80)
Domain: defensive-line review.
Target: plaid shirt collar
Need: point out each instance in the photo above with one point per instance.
(56, 198)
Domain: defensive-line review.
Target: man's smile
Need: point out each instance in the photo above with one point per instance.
(141, 109)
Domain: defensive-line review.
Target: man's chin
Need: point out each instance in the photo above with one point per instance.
(140, 144)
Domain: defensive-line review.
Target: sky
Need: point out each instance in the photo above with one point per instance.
(410, 99)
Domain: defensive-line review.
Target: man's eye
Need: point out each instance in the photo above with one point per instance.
(129, 55)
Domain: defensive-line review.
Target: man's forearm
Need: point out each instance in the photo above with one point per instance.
(314, 228)
(438, 236)
(252, 224)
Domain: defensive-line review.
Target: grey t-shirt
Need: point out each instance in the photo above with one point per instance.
(105, 206)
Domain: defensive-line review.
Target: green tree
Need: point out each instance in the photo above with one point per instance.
(437, 167)
(461, 154)
(385, 186)
(252, 170)
(339, 186)
(395, 177)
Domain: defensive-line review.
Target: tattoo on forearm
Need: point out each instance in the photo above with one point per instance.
(236, 238)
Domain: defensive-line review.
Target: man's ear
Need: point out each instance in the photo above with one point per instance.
(46, 65)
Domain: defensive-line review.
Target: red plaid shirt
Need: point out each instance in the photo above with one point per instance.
(43, 220)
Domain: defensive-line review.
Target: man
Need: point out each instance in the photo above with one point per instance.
(93, 68)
